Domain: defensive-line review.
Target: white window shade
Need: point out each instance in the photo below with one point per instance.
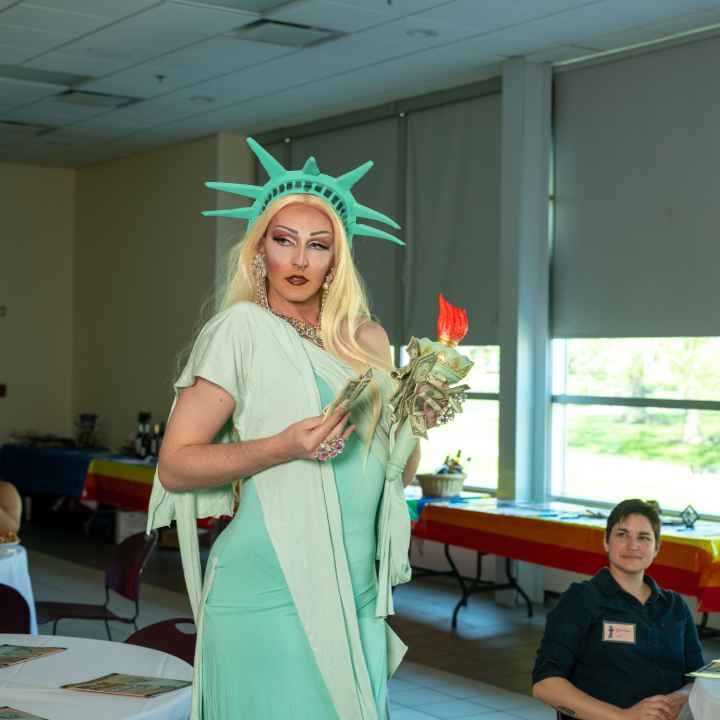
(453, 211)
(637, 217)
(378, 261)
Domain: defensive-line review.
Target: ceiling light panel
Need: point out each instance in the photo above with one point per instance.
(286, 34)
(94, 100)
(85, 62)
(187, 66)
(48, 77)
(330, 15)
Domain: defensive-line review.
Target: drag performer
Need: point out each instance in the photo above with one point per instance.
(283, 417)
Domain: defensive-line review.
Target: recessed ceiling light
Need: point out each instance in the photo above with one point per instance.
(286, 34)
(44, 77)
(422, 33)
(93, 99)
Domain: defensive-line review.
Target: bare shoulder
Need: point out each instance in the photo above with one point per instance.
(371, 336)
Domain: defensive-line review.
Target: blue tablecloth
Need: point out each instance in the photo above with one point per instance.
(51, 471)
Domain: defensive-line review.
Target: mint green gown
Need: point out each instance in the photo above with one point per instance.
(257, 660)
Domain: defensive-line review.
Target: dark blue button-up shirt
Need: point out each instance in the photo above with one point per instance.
(614, 648)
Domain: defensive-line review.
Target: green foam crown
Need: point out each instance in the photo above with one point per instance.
(309, 180)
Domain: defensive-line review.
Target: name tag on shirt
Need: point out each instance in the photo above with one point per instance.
(618, 632)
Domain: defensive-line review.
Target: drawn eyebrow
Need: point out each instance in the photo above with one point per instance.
(295, 232)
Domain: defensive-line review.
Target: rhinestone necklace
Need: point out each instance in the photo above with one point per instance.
(304, 329)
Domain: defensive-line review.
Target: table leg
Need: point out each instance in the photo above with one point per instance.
(704, 631)
(479, 585)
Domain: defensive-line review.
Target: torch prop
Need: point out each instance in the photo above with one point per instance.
(427, 385)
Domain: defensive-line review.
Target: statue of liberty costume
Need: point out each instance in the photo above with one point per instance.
(291, 614)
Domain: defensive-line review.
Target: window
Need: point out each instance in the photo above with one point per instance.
(475, 431)
(637, 418)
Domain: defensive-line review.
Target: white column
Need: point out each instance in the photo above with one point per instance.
(524, 291)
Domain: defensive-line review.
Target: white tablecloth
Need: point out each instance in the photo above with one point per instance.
(705, 699)
(34, 686)
(14, 572)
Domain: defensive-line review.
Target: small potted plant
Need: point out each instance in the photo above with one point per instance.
(447, 481)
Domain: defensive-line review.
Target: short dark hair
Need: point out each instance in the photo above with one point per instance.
(634, 506)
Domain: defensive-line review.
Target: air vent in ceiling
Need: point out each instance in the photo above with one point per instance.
(92, 99)
(46, 77)
(19, 130)
(286, 34)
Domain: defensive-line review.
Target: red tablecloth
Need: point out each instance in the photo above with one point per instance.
(553, 535)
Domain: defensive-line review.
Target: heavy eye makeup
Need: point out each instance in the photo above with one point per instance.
(285, 241)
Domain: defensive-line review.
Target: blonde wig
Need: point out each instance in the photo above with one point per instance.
(346, 306)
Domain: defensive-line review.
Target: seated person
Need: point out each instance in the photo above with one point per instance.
(617, 647)
(10, 508)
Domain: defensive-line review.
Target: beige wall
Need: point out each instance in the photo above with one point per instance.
(146, 262)
(36, 285)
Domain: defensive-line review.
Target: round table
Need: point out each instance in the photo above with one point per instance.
(34, 686)
(705, 699)
(14, 572)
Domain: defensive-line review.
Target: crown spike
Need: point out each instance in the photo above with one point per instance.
(368, 231)
(272, 167)
(242, 213)
(367, 213)
(349, 179)
(311, 167)
(251, 191)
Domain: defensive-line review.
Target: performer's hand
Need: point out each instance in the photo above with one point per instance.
(302, 439)
(657, 707)
(431, 408)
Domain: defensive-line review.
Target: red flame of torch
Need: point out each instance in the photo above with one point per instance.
(452, 323)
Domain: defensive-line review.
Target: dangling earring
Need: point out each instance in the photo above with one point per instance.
(325, 291)
(260, 273)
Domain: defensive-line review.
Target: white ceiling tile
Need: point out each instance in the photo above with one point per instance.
(36, 41)
(328, 14)
(159, 30)
(398, 8)
(144, 114)
(111, 9)
(52, 112)
(491, 15)
(93, 62)
(203, 22)
(187, 66)
(686, 23)
(622, 39)
(14, 55)
(55, 21)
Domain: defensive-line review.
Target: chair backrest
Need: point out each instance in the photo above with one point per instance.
(166, 636)
(128, 562)
(15, 615)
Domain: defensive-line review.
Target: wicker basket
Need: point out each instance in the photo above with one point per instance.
(434, 485)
